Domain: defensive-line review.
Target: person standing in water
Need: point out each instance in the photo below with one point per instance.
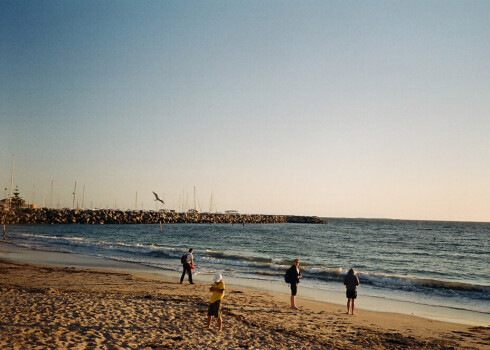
(293, 276)
(351, 282)
(189, 261)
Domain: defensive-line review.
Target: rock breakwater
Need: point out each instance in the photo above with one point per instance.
(110, 216)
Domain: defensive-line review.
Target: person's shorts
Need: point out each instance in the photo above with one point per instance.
(215, 309)
(294, 288)
(351, 294)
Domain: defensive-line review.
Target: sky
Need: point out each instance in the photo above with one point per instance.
(374, 109)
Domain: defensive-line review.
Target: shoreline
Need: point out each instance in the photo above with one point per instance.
(157, 307)
(307, 289)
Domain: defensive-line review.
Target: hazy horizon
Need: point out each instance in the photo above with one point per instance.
(336, 109)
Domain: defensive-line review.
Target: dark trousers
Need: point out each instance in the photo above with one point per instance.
(294, 288)
(187, 269)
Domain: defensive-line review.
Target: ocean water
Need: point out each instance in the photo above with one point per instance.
(422, 264)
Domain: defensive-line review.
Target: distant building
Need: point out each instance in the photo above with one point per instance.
(5, 203)
(232, 212)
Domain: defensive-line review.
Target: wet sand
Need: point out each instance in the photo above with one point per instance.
(46, 307)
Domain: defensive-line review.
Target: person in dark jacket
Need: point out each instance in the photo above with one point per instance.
(295, 276)
(189, 261)
(351, 282)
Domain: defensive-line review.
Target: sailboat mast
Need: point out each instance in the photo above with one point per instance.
(51, 200)
(211, 203)
(74, 195)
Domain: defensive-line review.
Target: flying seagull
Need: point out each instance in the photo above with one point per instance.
(158, 198)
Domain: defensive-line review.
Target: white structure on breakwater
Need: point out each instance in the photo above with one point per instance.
(232, 212)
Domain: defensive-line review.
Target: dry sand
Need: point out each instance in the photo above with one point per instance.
(45, 307)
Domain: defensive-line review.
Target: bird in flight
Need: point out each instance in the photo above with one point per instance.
(158, 198)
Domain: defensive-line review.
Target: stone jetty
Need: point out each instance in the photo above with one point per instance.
(111, 216)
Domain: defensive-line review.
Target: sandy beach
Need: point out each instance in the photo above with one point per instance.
(47, 307)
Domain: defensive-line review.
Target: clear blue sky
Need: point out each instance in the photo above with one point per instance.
(330, 108)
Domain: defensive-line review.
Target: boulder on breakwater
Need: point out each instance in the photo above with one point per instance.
(114, 216)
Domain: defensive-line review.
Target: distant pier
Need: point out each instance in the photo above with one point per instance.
(112, 216)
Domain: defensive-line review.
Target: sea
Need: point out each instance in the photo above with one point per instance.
(437, 270)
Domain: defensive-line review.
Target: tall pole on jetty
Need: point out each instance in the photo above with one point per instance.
(136, 202)
(83, 197)
(12, 179)
(74, 195)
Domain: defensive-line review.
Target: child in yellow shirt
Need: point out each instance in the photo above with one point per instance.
(218, 289)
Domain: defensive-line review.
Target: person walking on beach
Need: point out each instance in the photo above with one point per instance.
(351, 282)
(292, 277)
(187, 262)
(218, 289)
